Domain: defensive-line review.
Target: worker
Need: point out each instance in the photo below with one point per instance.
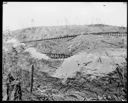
(9, 85)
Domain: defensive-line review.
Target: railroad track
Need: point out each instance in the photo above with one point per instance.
(109, 33)
(72, 36)
(58, 56)
(57, 38)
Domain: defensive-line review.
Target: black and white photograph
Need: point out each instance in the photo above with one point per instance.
(64, 51)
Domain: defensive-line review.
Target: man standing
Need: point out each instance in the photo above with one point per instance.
(9, 85)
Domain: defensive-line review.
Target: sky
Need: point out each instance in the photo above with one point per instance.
(18, 15)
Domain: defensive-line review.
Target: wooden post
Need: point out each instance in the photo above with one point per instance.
(32, 71)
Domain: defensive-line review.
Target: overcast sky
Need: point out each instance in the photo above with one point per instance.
(17, 15)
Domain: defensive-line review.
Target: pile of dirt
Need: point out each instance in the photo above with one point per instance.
(95, 62)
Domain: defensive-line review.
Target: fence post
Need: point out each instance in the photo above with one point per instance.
(32, 71)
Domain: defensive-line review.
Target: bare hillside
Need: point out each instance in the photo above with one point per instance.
(35, 33)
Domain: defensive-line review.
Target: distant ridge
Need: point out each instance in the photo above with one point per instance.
(45, 32)
(98, 25)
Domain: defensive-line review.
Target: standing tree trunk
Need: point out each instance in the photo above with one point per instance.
(32, 71)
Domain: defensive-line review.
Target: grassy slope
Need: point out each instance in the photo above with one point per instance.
(36, 33)
(61, 46)
(74, 45)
